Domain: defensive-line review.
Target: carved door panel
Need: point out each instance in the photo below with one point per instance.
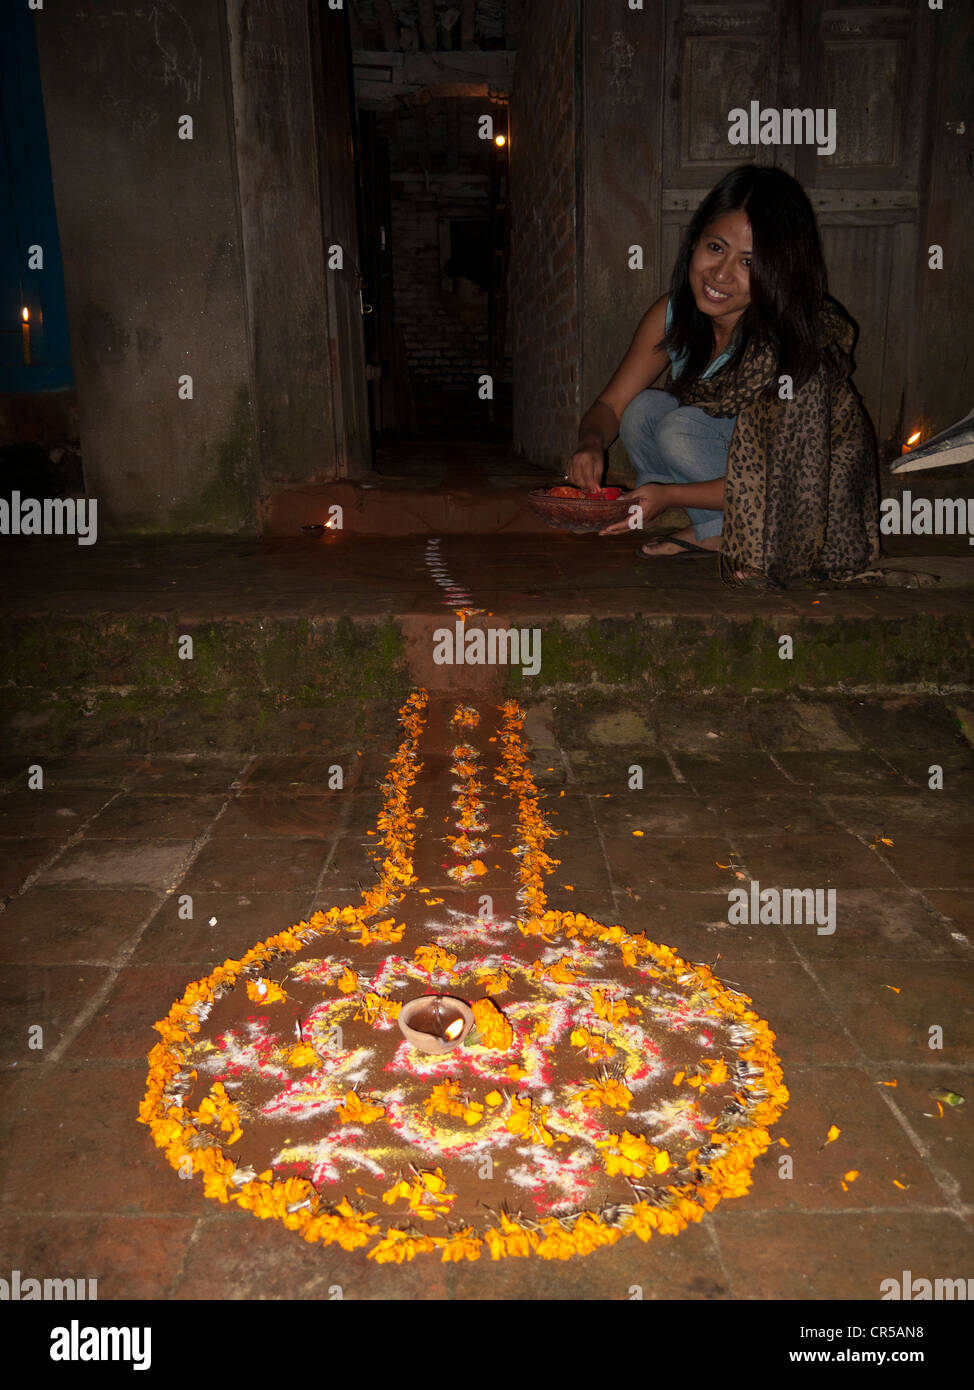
(870, 64)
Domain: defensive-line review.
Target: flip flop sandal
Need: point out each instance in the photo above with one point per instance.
(672, 540)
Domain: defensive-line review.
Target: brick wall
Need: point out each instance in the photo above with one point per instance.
(544, 252)
(445, 350)
(439, 171)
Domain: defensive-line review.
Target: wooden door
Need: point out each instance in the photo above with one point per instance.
(868, 62)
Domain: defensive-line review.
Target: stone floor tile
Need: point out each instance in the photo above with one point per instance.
(957, 909)
(571, 814)
(669, 861)
(257, 865)
(119, 864)
(257, 815)
(943, 1130)
(609, 771)
(357, 857)
(87, 770)
(808, 1029)
(128, 1257)
(910, 812)
(359, 809)
(237, 1256)
(60, 926)
(840, 1031)
(840, 773)
(695, 925)
(598, 903)
(48, 997)
(801, 726)
(814, 861)
(582, 864)
(896, 925)
(55, 814)
(83, 1122)
(891, 1026)
(679, 814)
(156, 817)
(872, 1142)
(619, 728)
(549, 776)
(241, 921)
(931, 861)
(196, 775)
(306, 775)
(907, 722)
(837, 1255)
(19, 859)
(705, 726)
(954, 769)
(121, 1030)
(751, 772)
(792, 812)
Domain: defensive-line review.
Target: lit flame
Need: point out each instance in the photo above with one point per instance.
(25, 315)
(330, 524)
(500, 139)
(913, 438)
(453, 1030)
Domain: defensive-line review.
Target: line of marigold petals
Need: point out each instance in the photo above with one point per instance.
(465, 765)
(395, 818)
(533, 829)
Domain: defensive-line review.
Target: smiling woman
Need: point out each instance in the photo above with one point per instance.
(757, 431)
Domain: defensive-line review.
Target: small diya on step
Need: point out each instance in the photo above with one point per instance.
(435, 1022)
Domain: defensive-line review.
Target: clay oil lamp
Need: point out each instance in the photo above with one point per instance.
(435, 1022)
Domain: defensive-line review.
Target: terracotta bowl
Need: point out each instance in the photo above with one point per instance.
(577, 513)
(429, 1042)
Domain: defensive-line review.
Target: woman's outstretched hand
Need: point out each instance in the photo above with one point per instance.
(584, 469)
(650, 498)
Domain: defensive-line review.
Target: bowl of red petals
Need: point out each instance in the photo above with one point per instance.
(570, 509)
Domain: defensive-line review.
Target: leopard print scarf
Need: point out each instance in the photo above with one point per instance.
(801, 498)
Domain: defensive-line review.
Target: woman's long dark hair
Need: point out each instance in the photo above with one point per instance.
(788, 279)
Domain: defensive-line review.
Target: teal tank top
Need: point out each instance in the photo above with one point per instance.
(678, 364)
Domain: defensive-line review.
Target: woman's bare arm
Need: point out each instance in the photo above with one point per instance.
(639, 368)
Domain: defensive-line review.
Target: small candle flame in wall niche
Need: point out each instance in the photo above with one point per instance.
(911, 443)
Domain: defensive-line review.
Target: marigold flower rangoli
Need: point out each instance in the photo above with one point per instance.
(607, 1089)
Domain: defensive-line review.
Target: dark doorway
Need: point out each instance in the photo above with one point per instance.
(434, 190)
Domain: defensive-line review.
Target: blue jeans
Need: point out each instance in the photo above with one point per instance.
(670, 443)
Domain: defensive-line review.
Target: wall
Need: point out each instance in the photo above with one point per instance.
(291, 296)
(152, 261)
(207, 256)
(622, 60)
(545, 243)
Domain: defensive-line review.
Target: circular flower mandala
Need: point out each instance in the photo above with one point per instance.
(608, 1088)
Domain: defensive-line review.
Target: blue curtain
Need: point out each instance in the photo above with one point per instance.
(27, 218)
